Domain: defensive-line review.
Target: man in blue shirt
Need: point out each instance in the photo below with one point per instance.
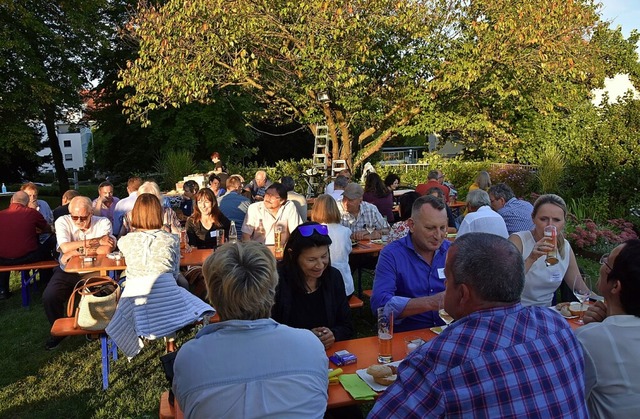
(233, 205)
(515, 212)
(498, 359)
(410, 271)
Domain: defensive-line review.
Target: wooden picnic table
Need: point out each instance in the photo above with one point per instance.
(103, 264)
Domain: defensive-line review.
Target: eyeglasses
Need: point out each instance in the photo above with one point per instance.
(308, 230)
(78, 218)
(604, 260)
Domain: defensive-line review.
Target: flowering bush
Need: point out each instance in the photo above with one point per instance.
(588, 235)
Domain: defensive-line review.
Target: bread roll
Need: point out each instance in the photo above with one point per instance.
(383, 374)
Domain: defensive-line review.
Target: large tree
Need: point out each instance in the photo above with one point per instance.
(476, 68)
(48, 50)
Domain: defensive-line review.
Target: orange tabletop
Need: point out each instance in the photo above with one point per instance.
(103, 264)
(366, 349)
(365, 247)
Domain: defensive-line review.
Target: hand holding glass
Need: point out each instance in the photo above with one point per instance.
(582, 292)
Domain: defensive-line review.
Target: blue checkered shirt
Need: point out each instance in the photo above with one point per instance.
(509, 362)
(517, 215)
(368, 215)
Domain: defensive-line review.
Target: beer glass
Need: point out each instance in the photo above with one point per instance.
(385, 335)
(550, 235)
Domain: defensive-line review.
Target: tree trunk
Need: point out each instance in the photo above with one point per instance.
(52, 138)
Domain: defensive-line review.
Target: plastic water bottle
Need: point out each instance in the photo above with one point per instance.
(4, 188)
(233, 233)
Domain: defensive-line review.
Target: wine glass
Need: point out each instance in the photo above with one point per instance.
(446, 317)
(370, 228)
(582, 292)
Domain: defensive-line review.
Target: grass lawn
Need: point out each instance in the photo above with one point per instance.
(67, 382)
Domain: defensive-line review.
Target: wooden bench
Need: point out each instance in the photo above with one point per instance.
(355, 302)
(166, 410)
(65, 327)
(28, 274)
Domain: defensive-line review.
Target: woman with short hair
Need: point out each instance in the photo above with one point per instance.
(248, 365)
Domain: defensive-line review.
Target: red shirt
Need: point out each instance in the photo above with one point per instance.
(424, 187)
(18, 236)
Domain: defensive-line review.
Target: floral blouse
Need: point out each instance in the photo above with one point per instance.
(398, 231)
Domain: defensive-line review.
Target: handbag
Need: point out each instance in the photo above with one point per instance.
(99, 297)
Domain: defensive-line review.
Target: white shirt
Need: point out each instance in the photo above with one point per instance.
(67, 231)
(337, 194)
(287, 217)
(339, 250)
(541, 281)
(123, 206)
(329, 188)
(300, 202)
(612, 366)
(483, 220)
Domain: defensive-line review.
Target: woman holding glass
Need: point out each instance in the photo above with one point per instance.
(203, 227)
(612, 337)
(325, 211)
(310, 293)
(542, 277)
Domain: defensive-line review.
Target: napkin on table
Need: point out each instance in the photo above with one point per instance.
(358, 389)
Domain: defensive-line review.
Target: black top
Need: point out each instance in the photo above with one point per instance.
(60, 211)
(203, 238)
(337, 313)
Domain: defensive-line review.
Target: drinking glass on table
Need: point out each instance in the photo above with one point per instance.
(370, 229)
(581, 291)
(385, 335)
(446, 317)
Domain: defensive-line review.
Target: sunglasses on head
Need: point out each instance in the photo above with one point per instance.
(308, 230)
(79, 218)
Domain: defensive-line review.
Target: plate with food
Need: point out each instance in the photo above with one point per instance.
(570, 310)
(354, 243)
(380, 376)
(377, 241)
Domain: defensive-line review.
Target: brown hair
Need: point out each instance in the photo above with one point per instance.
(146, 213)
(207, 194)
(325, 210)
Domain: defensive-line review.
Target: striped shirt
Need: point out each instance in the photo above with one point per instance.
(502, 362)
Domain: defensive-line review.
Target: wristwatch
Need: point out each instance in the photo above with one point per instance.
(81, 250)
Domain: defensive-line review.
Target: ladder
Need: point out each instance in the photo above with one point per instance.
(320, 148)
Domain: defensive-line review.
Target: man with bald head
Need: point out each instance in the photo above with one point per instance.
(258, 186)
(79, 233)
(20, 226)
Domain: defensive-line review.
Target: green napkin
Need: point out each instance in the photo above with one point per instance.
(358, 389)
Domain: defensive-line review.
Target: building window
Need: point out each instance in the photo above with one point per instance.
(68, 157)
(67, 144)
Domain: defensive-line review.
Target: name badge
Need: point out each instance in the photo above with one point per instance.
(214, 233)
(441, 273)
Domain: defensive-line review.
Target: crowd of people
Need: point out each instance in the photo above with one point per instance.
(505, 354)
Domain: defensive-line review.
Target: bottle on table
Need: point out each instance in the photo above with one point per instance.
(260, 229)
(4, 188)
(233, 233)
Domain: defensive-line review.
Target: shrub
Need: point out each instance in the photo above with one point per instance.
(587, 235)
(550, 169)
(519, 178)
(173, 166)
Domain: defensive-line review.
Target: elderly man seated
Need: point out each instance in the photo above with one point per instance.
(79, 233)
(498, 359)
(258, 186)
(357, 214)
(248, 365)
(19, 227)
(481, 218)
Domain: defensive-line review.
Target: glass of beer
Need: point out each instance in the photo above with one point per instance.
(550, 236)
(220, 238)
(385, 335)
(278, 239)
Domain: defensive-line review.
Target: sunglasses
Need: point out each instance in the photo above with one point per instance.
(308, 230)
(78, 218)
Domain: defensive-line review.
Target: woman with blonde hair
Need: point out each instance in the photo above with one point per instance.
(170, 222)
(541, 280)
(483, 181)
(325, 211)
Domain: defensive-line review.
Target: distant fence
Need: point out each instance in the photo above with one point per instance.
(409, 166)
(529, 167)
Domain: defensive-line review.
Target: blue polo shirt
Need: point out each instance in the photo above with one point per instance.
(402, 274)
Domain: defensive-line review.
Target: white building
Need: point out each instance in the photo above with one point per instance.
(74, 147)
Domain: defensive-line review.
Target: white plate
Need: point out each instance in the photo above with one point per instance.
(560, 313)
(369, 379)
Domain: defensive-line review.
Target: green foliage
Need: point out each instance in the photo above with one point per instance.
(521, 179)
(173, 166)
(482, 70)
(550, 169)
